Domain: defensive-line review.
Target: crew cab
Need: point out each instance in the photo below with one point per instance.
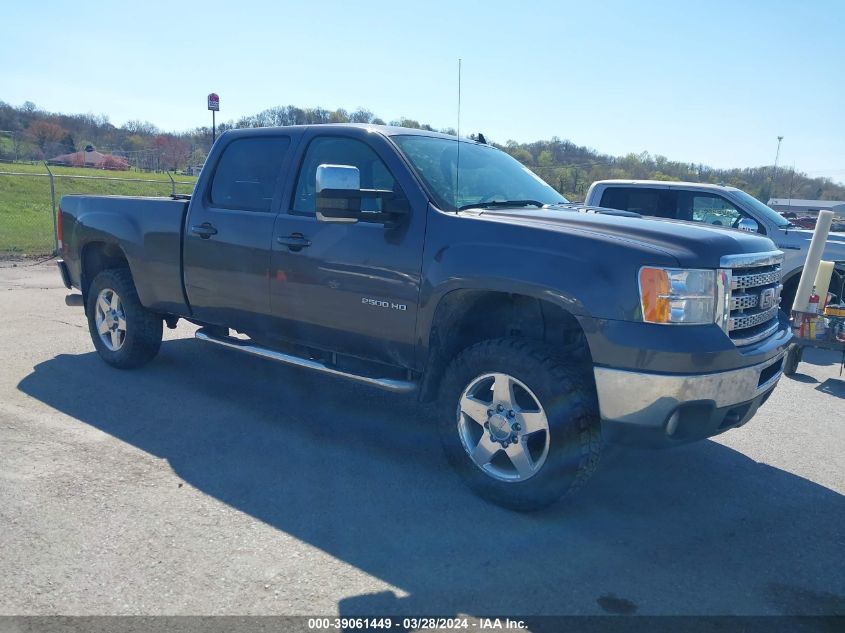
(720, 205)
(419, 263)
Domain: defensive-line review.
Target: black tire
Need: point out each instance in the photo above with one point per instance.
(787, 296)
(793, 357)
(565, 390)
(143, 329)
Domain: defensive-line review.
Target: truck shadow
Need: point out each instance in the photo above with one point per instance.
(821, 357)
(359, 474)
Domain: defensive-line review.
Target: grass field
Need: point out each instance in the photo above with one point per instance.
(26, 219)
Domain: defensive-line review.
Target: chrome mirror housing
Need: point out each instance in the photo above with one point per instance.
(749, 225)
(334, 182)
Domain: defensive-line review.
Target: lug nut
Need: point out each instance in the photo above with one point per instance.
(514, 439)
(489, 412)
(516, 426)
(505, 444)
(486, 425)
(511, 413)
(500, 408)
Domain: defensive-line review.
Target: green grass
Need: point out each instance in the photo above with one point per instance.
(26, 218)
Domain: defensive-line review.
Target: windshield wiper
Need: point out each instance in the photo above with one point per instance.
(493, 204)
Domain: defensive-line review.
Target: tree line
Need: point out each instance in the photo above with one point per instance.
(29, 133)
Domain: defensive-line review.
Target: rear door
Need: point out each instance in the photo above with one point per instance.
(229, 232)
(349, 288)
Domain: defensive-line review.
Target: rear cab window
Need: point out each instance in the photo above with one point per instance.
(644, 200)
(247, 173)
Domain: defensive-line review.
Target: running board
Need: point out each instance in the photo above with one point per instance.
(388, 384)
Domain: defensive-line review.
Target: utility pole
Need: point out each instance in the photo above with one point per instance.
(791, 183)
(775, 170)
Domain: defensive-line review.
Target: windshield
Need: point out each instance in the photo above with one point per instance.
(487, 175)
(767, 212)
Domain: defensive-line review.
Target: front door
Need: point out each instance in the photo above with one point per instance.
(229, 234)
(349, 288)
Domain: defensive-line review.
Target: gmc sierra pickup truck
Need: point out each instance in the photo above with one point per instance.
(415, 262)
(720, 205)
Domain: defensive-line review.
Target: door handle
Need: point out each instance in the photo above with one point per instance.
(294, 241)
(204, 230)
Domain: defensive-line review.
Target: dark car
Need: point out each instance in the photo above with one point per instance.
(414, 262)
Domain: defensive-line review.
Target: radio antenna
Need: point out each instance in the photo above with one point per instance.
(458, 158)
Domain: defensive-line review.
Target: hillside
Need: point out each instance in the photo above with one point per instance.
(28, 133)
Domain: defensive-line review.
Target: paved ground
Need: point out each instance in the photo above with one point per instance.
(209, 482)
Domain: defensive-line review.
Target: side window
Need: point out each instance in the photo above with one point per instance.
(247, 172)
(331, 150)
(707, 208)
(656, 202)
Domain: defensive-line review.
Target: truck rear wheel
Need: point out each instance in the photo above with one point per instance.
(518, 424)
(125, 333)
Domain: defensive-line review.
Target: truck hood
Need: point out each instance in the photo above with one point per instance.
(690, 243)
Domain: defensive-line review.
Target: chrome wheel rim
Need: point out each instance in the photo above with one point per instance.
(503, 427)
(110, 319)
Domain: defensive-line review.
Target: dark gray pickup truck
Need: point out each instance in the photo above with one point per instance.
(414, 262)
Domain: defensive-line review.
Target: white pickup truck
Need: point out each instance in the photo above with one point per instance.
(720, 205)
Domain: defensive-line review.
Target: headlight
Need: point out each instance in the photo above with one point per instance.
(675, 295)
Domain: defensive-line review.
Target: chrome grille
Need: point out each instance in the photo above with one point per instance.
(744, 320)
(744, 301)
(754, 282)
(757, 279)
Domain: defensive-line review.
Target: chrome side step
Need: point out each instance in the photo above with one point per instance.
(388, 384)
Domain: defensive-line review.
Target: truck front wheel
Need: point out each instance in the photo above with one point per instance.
(125, 334)
(519, 424)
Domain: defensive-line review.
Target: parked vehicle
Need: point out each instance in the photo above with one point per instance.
(805, 222)
(724, 206)
(412, 262)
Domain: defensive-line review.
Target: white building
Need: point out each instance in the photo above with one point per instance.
(807, 207)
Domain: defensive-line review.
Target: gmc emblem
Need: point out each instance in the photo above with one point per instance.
(767, 298)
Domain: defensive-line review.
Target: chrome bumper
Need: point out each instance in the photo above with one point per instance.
(654, 400)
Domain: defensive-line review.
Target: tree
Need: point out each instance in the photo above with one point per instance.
(114, 162)
(173, 152)
(339, 116)
(68, 145)
(361, 116)
(44, 134)
(545, 159)
(140, 128)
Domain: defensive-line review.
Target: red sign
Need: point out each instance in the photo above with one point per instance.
(213, 102)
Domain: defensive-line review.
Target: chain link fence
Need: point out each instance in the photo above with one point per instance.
(30, 194)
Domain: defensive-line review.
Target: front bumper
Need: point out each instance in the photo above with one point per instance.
(664, 409)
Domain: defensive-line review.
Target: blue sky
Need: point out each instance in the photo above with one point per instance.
(711, 82)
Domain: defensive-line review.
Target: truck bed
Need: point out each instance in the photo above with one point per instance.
(147, 230)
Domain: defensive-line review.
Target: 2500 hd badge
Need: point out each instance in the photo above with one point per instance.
(379, 303)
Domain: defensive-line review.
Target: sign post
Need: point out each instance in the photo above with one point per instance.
(214, 106)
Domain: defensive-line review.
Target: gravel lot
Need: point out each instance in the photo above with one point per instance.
(211, 482)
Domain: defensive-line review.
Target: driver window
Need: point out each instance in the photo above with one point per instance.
(707, 208)
(332, 150)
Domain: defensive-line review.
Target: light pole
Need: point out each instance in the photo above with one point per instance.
(775, 170)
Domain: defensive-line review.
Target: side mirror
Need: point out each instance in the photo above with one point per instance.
(338, 193)
(339, 196)
(749, 225)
